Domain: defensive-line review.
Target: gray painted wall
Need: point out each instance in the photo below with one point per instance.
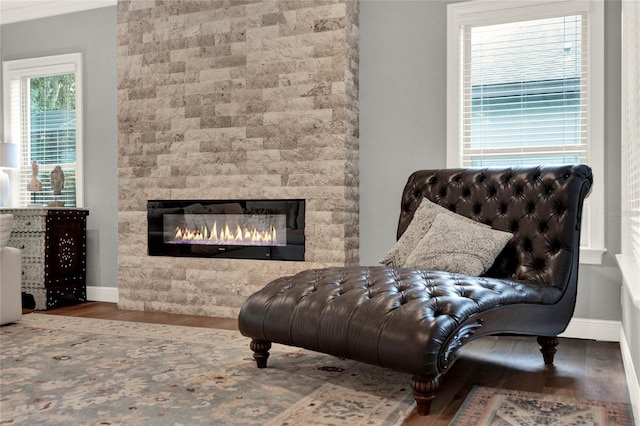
(599, 288)
(93, 33)
(402, 124)
(403, 128)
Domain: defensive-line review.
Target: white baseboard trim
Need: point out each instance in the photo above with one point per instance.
(632, 379)
(102, 294)
(590, 329)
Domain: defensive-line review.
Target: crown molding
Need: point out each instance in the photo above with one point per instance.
(12, 11)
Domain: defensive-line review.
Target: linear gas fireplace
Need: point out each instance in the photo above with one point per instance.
(239, 229)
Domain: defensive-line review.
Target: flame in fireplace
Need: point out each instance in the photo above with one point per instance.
(226, 235)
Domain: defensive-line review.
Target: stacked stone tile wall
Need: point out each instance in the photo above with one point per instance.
(234, 100)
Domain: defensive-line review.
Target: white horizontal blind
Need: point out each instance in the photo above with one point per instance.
(524, 99)
(53, 130)
(631, 120)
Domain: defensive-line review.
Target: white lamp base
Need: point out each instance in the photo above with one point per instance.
(5, 188)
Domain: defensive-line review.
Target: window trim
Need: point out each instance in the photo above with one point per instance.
(480, 12)
(42, 67)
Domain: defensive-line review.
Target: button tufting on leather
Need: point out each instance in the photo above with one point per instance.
(555, 247)
(560, 209)
(539, 263)
(518, 190)
(508, 178)
(531, 207)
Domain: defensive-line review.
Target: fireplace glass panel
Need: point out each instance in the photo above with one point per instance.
(226, 229)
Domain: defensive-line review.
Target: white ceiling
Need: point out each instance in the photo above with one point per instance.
(24, 10)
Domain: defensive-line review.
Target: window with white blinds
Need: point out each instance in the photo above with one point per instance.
(524, 93)
(44, 107)
(525, 86)
(631, 128)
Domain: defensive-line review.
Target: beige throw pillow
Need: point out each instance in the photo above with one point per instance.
(455, 245)
(423, 217)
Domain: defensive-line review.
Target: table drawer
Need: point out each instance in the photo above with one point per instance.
(28, 223)
(31, 244)
(32, 275)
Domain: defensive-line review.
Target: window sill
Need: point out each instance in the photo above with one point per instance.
(630, 272)
(591, 256)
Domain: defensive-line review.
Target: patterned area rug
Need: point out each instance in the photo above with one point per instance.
(58, 370)
(502, 407)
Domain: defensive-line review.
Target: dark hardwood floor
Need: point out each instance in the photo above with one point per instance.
(110, 311)
(583, 368)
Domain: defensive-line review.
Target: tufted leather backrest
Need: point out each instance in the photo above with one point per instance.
(541, 206)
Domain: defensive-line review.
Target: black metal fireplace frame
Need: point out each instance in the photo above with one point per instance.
(294, 250)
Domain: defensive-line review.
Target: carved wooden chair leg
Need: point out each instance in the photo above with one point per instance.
(424, 390)
(548, 348)
(260, 350)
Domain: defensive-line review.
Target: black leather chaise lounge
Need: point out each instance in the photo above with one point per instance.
(414, 320)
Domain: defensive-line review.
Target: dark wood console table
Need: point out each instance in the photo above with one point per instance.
(54, 253)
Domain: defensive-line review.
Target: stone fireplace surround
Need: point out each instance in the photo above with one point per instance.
(228, 100)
